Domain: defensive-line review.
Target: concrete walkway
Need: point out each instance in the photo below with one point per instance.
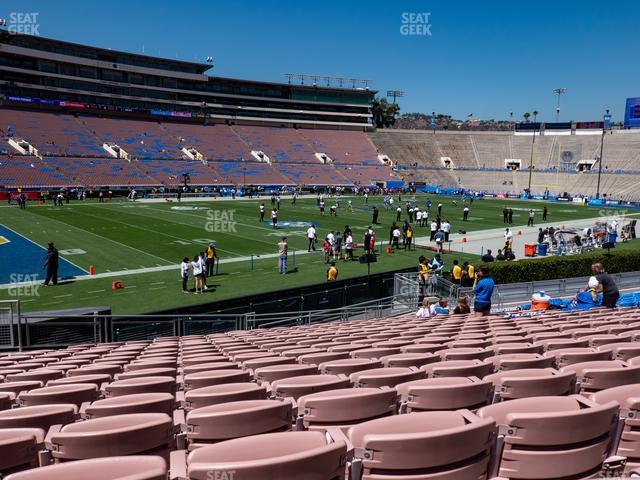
(478, 242)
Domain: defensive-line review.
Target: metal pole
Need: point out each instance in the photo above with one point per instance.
(600, 163)
(533, 142)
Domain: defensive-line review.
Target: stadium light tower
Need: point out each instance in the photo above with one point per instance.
(605, 125)
(395, 94)
(558, 91)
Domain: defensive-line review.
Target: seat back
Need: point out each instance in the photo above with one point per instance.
(423, 443)
(552, 437)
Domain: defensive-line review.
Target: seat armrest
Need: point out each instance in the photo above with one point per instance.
(53, 429)
(336, 434)
(178, 465)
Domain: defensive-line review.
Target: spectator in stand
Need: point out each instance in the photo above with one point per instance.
(483, 288)
(456, 273)
(488, 257)
(606, 285)
(423, 273)
(440, 308)
(468, 275)
(590, 297)
(425, 310)
(462, 307)
(332, 272)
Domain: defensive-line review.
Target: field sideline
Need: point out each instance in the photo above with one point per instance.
(143, 243)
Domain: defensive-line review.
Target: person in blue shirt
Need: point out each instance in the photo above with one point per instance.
(589, 298)
(483, 288)
(440, 308)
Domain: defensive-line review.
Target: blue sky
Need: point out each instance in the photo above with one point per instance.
(485, 58)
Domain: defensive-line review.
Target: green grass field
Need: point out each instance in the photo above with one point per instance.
(136, 238)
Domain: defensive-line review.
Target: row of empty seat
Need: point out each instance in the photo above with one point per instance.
(548, 396)
(66, 135)
(87, 172)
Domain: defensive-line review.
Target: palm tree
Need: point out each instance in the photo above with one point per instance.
(526, 116)
(535, 115)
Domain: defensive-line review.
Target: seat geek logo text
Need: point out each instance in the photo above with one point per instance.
(415, 24)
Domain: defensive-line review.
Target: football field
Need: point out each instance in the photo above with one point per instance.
(142, 244)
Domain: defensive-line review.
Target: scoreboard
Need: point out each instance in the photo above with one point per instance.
(632, 112)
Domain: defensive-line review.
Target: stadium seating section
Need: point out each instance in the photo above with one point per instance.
(479, 160)
(70, 152)
(454, 397)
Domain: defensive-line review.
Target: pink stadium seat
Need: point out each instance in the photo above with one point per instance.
(75, 394)
(399, 445)
(113, 436)
(344, 407)
(287, 456)
(136, 467)
(443, 393)
(130, 404)
(229, 392)
(533, 382)
(41, 416)
(570, 433)
(19, 447)
(225, 421)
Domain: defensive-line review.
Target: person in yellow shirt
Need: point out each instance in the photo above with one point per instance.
(408, 238)
(211, 257)
(423, 273)
(332, 272)
(456, 273)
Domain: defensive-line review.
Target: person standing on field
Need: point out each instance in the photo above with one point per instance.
(283, 252)
(184, 274)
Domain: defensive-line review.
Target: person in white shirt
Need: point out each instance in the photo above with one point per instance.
(418, 216)
(203, 267)
(434, 229)
(348, 247)
(424, 311)
(398, 213)
(274, 218)
(331, 238)
(425, 217)
(196, 268)
(465, 214)
(508, 239)
(396, 238)
(184, 274)
(311, 237)
(446, 228)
